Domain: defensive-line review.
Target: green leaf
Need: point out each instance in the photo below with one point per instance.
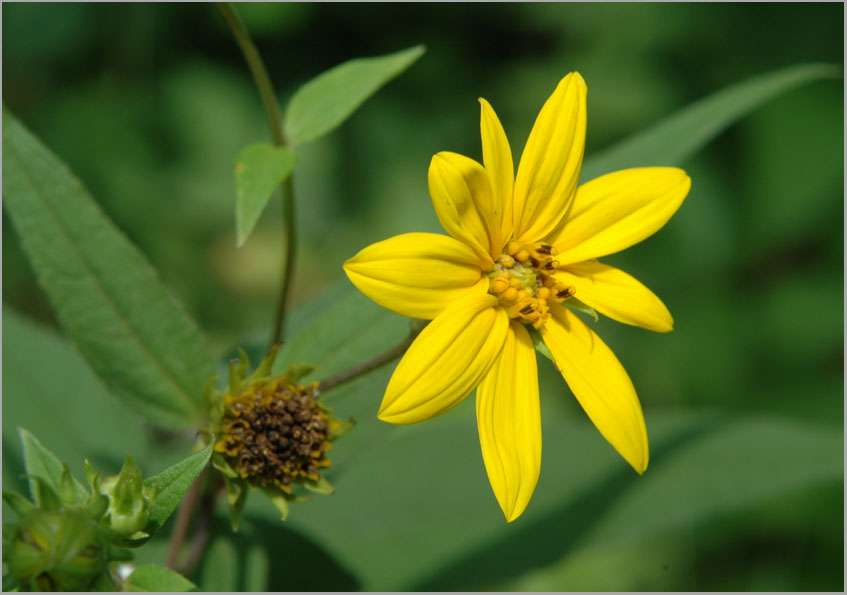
(682, 134)
(220, 565)
(105, 293)
(540, 345)
(583, 484)
(326, 101)
(151, 577)
(739, 464)
(18, 503)
(259, 170)
(172, 483)
(97, 426)
(43, 465)
(578, 306)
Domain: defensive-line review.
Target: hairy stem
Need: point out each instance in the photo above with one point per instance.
(366, 366)
(263, 82)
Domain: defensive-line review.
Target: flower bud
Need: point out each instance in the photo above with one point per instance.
(129, 502)
(56, 550)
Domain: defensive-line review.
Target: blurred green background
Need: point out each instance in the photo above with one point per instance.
(149, 104)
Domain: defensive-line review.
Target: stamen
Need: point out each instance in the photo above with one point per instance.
(499, 284)
(521, 279)
(506, 260)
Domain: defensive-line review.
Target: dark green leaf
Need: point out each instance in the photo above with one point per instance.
(157, 578)
(105, 293)
(259, 170)
(43, 465)
(326, 101)
(172, 483)
(682, 134)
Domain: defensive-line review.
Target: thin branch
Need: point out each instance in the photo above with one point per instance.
(203, 525)
(263, 82)
(366, 366)
(183, 521)
(257, 68)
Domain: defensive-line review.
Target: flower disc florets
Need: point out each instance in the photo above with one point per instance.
(276, 432)
(522, 279)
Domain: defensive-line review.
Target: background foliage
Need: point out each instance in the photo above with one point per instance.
(150, 106)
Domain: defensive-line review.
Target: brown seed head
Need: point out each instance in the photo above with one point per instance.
(276, 433)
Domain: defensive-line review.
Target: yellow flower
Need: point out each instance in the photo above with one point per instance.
(520, 248)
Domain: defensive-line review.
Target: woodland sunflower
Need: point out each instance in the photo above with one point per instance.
(521, 250)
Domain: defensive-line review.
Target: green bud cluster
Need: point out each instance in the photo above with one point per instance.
(57, 550)
(68, 538)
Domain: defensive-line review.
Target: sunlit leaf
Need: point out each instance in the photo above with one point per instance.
(326, 101)
(151, 577)
(259, 170)
(676, 138)
(105, 293)
(172, 483)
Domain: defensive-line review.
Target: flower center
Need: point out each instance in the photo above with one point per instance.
(522, 279)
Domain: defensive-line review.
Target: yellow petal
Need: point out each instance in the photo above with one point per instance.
(461, 195)
(417, 274)
(599, 382)
(620, 209)
(497, 158)
(509, 420)
(612, 292)
(447, 361)
(551, 160)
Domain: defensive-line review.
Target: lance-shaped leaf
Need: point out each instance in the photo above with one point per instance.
(172, 483)
(674, 139)
(151, 577)
(326, 101)
(43, 466)
(105, 293)
(259, 169)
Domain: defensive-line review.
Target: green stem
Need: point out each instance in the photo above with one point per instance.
(263, 82)
(289, 242)
(257, 68)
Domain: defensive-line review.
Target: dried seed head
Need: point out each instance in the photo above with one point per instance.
(276, 432)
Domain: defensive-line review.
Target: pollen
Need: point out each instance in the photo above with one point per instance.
(276, 433)
(522, 279)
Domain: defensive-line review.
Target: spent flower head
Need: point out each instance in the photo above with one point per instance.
(273, 434)
(521, 255)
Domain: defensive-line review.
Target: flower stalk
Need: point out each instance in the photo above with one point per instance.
(263, 82)
(368, 365)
